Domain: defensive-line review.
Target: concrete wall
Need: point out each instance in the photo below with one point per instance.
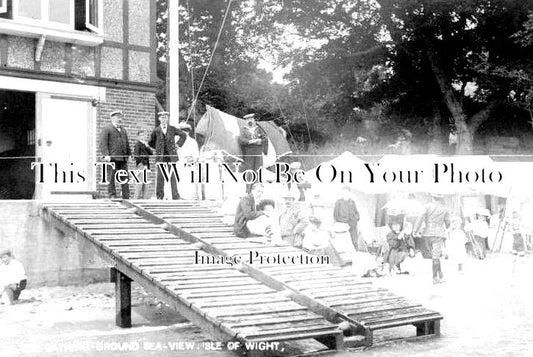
(48, 256)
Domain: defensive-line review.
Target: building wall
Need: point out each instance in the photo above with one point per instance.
(49, 257)
(126, 58)
(139, 114)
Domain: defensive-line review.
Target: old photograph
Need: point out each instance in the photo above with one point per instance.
(266, 178)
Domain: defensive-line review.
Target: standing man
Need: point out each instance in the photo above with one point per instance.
(435, 220)
(163, 140)
(345, 211)
(254, 144)
(115, 147)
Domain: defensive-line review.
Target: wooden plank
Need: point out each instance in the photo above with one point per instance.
(170, 249)
(303, 332)
(248, 312)
(352, 302)
(180, 287)
(393, 307)
(241, 303)
(146, 243)
(274, 321)
(202, 294)
(227, 290)
(286, 327)
(123, 231)
(122, 237)
(404, 322)
(296, 336)
(100, 226)
(88, 221)
(392, 315)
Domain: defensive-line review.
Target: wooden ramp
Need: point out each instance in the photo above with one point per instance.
(227, 303)
(327, 290)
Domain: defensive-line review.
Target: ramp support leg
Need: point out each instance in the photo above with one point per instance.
(369, 337)
(333, 342)
(428, 328)
(122, 298)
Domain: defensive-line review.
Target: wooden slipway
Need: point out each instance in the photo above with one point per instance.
(227, 303)
(327, 290)
(155, 244)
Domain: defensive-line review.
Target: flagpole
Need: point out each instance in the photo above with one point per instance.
(173, 61)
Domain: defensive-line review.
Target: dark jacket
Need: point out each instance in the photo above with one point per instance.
(246, 211)
(115, 143)
(345, 211)
(436, 218)
(142, 153)
(253, 149)
(165, 148)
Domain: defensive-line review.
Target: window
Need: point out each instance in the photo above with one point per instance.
(93, 15)
(52, 13)
(81, 15)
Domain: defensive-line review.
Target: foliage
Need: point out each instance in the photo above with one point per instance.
(467, 61)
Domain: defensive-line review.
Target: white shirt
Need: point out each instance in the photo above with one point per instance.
(164, 128)
(12, 273)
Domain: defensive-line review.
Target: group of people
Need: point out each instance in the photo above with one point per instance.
(161, 142)
(435, 233)
(299, 224)
(12, 278)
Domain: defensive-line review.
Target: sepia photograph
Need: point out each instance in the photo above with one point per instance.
(274, 178)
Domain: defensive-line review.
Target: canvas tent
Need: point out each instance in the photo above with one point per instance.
(514, 183)
(221, 132)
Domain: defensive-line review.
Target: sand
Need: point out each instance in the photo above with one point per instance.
(488, 311)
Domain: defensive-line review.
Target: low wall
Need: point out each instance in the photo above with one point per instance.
(49, 257)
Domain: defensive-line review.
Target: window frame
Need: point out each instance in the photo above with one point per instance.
(99, 27)
(44, 20)
(3, 6)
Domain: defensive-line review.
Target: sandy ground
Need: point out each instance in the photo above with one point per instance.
(488, 311)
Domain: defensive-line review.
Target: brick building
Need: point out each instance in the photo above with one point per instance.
(64, 66)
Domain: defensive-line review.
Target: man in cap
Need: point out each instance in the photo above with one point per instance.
(345, 211)
(115, 147)
(254, 144)
(434, 222)
(163, 140)
(12, 276)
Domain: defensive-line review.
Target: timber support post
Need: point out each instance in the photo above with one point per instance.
(122, 298)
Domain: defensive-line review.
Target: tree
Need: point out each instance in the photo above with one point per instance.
(462, 44)
(233, 82)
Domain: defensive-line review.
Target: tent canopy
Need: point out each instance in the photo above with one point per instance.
(467, 175)
(221, 132)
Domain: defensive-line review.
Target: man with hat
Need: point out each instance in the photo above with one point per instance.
(12, 276)
(254, 144)
(163, 140)
(432, 225)
(115, 147)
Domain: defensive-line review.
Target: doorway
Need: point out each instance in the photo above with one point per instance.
(17, 144)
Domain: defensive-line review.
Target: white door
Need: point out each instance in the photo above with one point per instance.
(65, 144)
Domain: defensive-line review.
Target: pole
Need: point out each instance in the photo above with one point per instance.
(173, 61)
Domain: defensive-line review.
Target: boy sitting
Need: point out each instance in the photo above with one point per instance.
(12, 276)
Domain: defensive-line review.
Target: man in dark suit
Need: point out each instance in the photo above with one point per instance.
(163, 140)
(115, 147)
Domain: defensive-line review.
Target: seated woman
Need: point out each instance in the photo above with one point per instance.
(251, 220)
(400, 245)
(318, 241)
(12, 276)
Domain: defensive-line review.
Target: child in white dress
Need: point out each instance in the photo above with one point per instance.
(456, 243)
